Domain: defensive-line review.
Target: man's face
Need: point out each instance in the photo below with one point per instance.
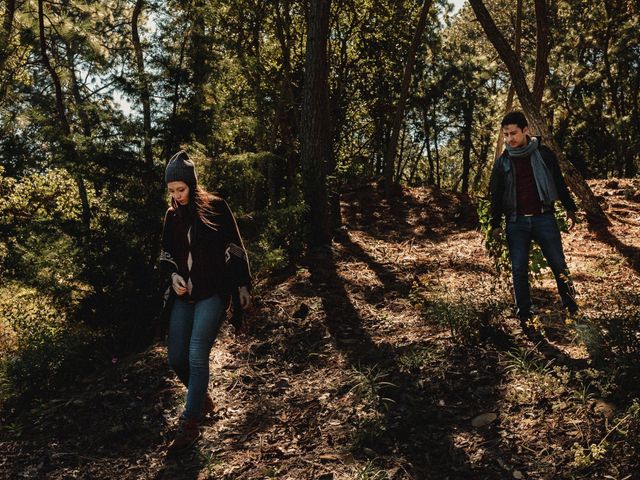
(514, 136)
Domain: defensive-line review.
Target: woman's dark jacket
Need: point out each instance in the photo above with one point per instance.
(502, 187)
(219, 260)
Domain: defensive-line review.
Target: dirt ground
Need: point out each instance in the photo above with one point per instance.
(392, 355)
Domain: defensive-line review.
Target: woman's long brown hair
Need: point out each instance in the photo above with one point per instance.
(200, 206)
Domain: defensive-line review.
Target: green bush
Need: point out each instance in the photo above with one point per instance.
(498, 250)
(270, 219)
(46, 349)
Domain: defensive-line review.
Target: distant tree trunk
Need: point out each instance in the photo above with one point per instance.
(77, 95)
(67, 143)
(392, 146)
(595, 214)
(5, 39)
(466, 143)
(199, 58)
(483, 158)
(142, 84)
(427, 139)
(174, 137)
(316, 128)
(435, 147)
(542, 51)
(286, 105)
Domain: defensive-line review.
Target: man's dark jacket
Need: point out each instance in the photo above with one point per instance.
(502, 187)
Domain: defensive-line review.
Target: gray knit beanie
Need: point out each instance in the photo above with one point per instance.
(180, 168)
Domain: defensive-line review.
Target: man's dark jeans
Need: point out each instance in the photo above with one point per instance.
(543, 229)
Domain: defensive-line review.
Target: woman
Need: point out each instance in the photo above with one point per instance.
(203, 254)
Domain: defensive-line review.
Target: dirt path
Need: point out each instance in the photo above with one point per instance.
(390, 356)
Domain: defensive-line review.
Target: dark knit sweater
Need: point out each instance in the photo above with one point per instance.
(219, 260)
(527, 197)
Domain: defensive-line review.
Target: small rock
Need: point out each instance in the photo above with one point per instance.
(484, 419)
(517, 474)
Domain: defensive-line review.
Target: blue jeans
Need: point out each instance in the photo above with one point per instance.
(193, 328)
(543, 229)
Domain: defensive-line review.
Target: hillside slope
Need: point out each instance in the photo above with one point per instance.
(392, 355)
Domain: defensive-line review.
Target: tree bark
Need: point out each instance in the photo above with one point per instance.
(510, 94)
(7, 30)
(68, 145)
(143, 84)
(392, 147)
(466, 144)
(542, 51)
(316, 128)
(285, 108)
(595, 214)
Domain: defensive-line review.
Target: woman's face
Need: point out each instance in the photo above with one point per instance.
(179, 192)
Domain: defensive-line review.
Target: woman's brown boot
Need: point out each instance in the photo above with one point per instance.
(186, 436)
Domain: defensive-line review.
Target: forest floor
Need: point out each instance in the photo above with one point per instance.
(392, 355)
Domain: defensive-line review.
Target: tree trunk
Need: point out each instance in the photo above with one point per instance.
(142, 84)
(435, 147)
(316, 128)
(542, 51)
(427, 135)
(595, 214)
(5, 40)
(68, 145)
(482, 160)
(511, 92)
(466, 146)
(392, 147)
(286, 105)
(199, 54)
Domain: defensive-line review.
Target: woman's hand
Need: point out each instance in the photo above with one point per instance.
(245, 297)
(178, 284)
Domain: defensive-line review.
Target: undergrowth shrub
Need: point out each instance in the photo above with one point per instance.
(43, 348)
(270, 219)
(463, 312)
(499, 252)
(612, 336)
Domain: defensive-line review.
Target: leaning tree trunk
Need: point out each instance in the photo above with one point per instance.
(67, 143)
(316, 128)
(509, 103)
(595, 214)
(542, 51)
(392, 146)
(142, 84)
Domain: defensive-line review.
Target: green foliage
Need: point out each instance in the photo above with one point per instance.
(526, 361)
(270, 219)
(369, 385)
(45, 348)
(463, 313)
(369, 471)
(498, 250)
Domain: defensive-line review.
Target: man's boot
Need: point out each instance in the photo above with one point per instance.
(208, 407)
(186, 436)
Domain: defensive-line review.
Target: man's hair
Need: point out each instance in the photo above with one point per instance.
(515, 118)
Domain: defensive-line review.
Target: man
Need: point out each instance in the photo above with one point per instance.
(525, 182)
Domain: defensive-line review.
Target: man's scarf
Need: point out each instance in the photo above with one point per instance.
(544, 180)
